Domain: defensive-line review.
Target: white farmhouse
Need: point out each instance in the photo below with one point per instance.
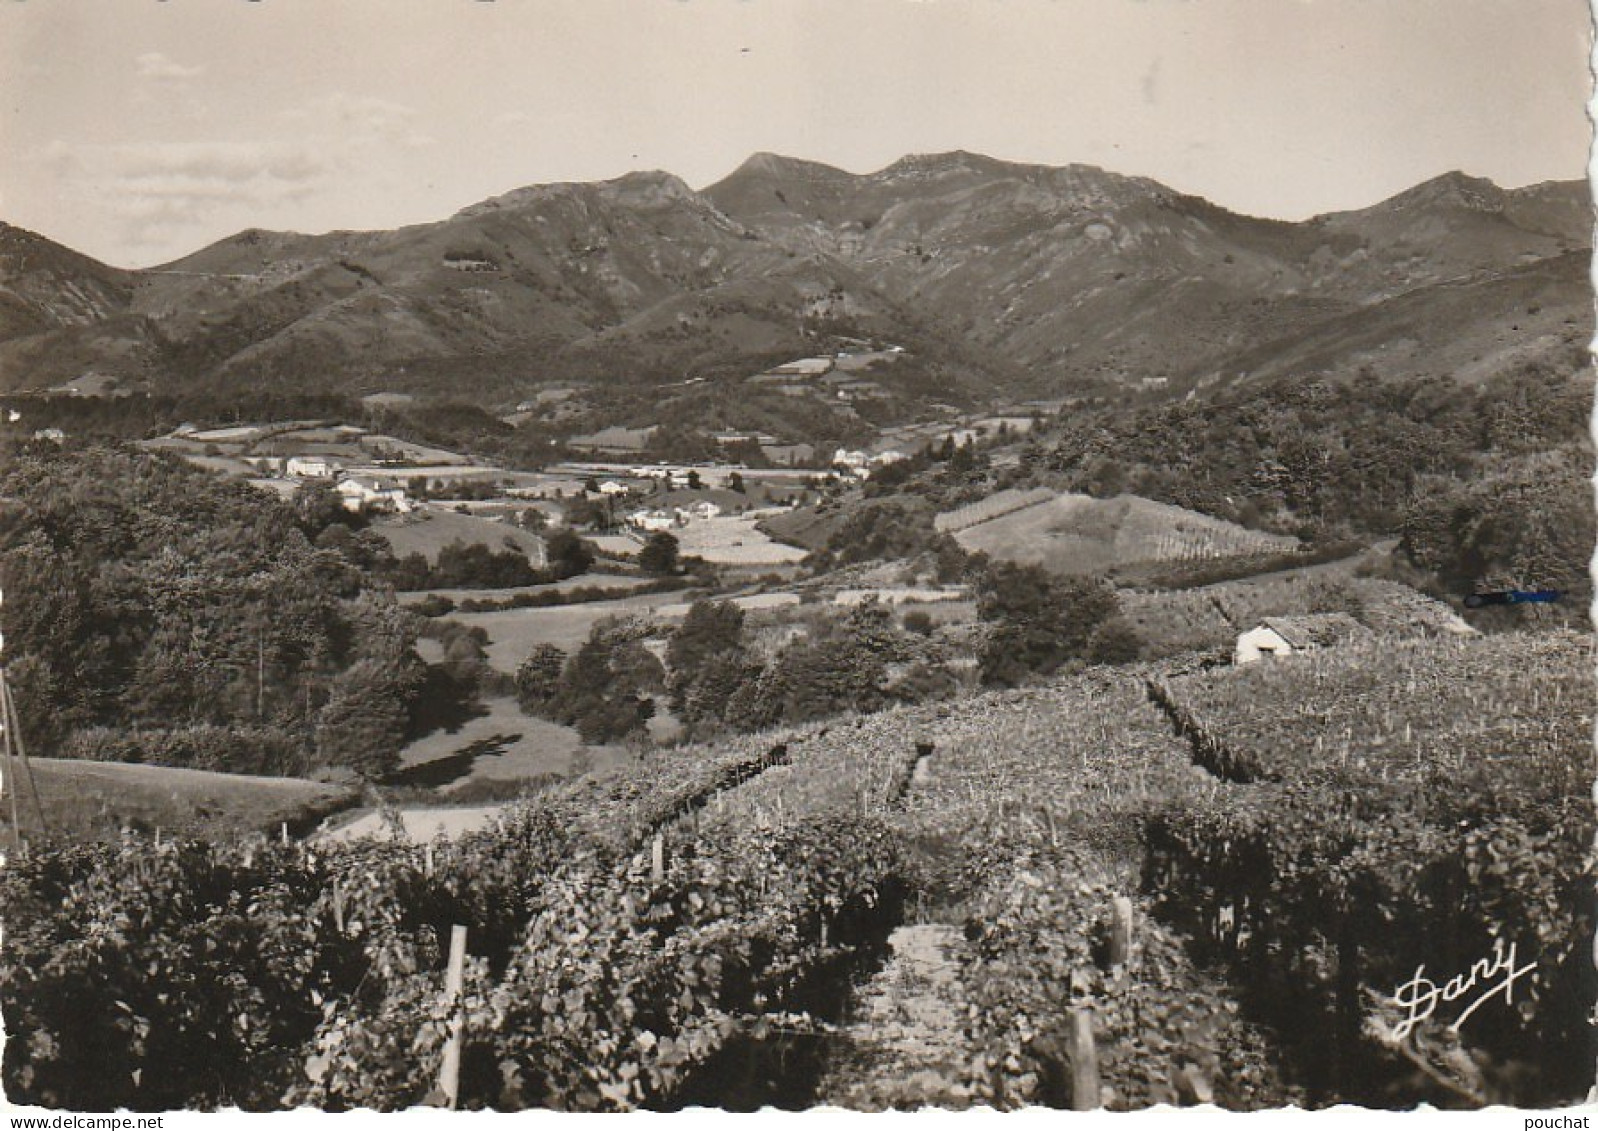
(653, 520)
(1282, 636)
(309, 467)
(369, 493)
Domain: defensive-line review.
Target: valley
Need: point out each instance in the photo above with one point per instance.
(967, 635)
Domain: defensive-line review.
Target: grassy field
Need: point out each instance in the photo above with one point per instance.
(426, 532)
(584, 581)
(514, 633)
(421, 823)
(734, 540)
(502, 743)
(96, 799)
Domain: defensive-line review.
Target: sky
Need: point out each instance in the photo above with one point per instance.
(138, 131)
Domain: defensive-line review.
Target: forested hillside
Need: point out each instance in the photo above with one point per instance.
(156, 613)
(1485, 485)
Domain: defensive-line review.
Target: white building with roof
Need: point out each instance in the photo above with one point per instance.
(1282, 636)
(370, 493)
(309, 467)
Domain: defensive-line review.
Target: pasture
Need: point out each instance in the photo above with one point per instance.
(582, 581)
(87, 800)
(514, 633)
(429, 530)
(734, 540)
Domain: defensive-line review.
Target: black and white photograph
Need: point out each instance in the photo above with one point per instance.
(831, 556)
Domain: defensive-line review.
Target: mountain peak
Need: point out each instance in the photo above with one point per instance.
(942, 164)
(640, 188)
(648, 187)
(774, 166)
(1452, 189)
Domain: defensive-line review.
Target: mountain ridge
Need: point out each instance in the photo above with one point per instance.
(1011, 279)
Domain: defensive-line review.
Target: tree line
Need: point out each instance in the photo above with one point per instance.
(156, 613)
(719, 676)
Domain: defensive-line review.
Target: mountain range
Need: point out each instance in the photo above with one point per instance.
(1006, 280)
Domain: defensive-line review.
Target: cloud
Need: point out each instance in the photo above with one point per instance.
(231, 164)
(156, 67)
(158, 191)
(363, 119)
(163, 195)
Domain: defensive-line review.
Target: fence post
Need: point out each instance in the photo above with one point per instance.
(338, 907)
(657, 859)
(1084, 1063)
(1120, 930)
(449, 1073)
(427, 858)
(1193, 1087)
(284, 834)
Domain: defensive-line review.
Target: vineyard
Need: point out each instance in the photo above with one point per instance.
(1122, 889)
(1510, 710)
(1072, 533)
(1209, 618)
(985, 510)
(1430, 804)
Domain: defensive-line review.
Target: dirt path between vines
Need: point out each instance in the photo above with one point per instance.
(902, 1045)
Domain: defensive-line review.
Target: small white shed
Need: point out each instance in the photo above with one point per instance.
(1281, 636)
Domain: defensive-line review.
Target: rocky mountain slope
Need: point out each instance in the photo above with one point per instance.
(1005, 280)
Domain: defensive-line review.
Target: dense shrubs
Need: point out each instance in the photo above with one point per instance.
(239, 749)
(1040, 621)
(605, 689)
(148, 595)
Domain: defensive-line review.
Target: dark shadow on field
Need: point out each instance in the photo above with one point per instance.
(452, 767)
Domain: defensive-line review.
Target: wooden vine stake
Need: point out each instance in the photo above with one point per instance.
(427, 859)
(1120, 931)
(657, 859)
(1193, 1087)
(284, 832)
(449, 1073)
(1084, 1063)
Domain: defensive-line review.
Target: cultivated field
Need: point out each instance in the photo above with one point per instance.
(1081, 534)
(1511, 706)
(501, 744)
(1010, 876)
(1210, 617)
